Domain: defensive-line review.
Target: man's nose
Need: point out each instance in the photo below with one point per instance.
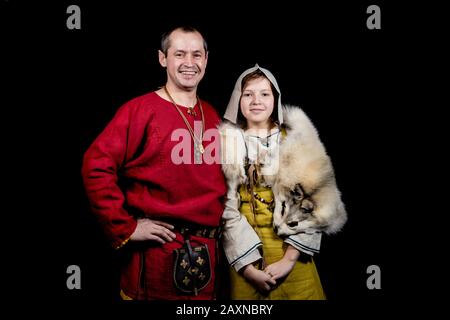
(189, 60)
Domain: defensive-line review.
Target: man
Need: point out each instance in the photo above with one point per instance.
(155, 201)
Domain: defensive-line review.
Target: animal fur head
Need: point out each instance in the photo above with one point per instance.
(307, 197)
(295, 211)
(300, 207)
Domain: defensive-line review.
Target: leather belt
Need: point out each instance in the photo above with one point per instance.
(191, 229)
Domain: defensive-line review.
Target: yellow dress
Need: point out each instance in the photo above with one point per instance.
(302, 283)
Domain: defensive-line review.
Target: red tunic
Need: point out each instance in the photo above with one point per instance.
(129, 169)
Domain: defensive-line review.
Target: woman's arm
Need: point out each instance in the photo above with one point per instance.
(260, 279)
(284, 266)
(240, 240)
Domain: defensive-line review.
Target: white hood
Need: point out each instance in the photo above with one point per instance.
(232, 110)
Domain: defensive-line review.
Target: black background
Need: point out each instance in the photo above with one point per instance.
(65, 85)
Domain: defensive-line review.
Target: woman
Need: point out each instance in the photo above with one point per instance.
(279, 178)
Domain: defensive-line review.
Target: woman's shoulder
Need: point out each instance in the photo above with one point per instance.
(228, 128)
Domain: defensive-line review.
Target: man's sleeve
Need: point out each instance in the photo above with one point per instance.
(101, 163)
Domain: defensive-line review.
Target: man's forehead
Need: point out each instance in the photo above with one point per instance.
(188, 41)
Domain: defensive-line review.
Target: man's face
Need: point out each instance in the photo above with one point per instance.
(186, 60)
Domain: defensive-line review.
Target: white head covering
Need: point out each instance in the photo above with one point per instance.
(233, 107)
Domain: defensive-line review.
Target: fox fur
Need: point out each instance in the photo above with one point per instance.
(301, 175)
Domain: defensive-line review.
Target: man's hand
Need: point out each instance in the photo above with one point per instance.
(152, 230)
(261, 280)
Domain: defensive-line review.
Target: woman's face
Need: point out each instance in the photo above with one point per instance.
(257, 102)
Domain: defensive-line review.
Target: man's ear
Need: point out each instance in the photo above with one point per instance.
(162, 59)
(206, 58)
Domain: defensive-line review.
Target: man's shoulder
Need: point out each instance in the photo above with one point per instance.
(147, 98)
(143, 103)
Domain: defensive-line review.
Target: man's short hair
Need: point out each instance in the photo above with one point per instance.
(165, 38)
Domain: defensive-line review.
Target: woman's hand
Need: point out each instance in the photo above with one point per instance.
(284, 266)
(261, 280)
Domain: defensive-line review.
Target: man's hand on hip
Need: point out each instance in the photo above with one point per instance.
(153, 230)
